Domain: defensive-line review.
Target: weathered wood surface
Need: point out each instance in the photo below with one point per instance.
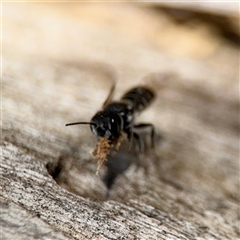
(59, 61)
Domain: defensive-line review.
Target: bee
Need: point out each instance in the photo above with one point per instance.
(116, 121)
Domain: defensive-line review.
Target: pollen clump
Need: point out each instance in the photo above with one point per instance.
(101, 151)
(103, 148)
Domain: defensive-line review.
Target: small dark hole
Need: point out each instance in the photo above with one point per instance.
(54, 169)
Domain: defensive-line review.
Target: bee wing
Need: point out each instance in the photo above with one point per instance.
(158, 80)
(110, 95)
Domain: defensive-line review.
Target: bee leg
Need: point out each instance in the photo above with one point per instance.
(146, 127)
(130, 139)
(139, 142)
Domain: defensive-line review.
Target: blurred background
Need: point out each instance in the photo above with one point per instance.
(68, 47)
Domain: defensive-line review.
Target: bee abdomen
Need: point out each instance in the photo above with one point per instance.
(139, 98)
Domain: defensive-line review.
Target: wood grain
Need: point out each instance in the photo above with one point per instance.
(59, 62)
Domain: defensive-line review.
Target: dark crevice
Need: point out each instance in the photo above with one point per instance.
(221, 24)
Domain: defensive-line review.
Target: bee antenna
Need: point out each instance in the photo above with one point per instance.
(76, 123)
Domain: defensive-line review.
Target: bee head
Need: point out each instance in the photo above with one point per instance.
(107, 125)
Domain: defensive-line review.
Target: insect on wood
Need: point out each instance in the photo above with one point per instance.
(116, 121)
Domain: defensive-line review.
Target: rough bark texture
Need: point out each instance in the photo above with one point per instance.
(59, 62)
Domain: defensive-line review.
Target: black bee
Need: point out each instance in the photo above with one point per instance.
(118, 117)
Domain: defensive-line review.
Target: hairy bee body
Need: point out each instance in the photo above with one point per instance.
(118, 117)
(139, 98)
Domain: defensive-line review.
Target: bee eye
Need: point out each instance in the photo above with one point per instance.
(100, 131)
